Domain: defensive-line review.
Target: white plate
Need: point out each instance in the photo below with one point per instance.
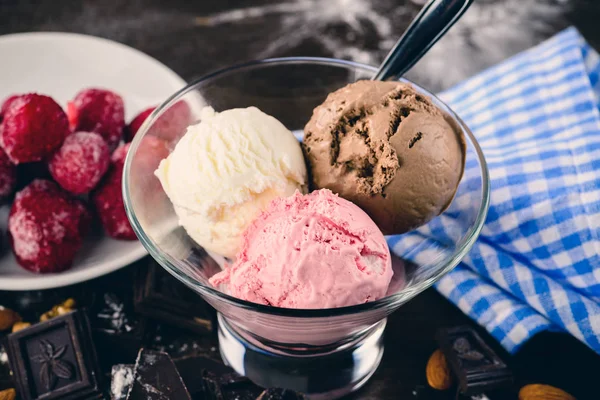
(60, 65)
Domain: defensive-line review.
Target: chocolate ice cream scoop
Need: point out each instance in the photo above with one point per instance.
(387, 148)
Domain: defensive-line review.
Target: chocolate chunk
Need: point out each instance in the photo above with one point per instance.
(280, 394)
(229, 387)
(121, 381)
(220, 382)
(160, 296)
(55, 359)
(190, 365)
(156, 378)
(116, 328)
(478, 368)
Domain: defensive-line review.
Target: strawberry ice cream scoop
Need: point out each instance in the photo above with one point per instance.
(310, 251)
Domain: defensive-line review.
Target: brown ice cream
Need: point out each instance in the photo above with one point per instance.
(388, 149)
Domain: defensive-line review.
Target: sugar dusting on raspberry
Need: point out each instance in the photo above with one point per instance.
(34, 126)
(100, 111)
(22, 225)
(136, 123)
(81, 162)
(7, 104)
(120, 154)
(46, 227)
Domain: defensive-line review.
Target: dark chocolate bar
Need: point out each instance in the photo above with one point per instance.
(280, 394)
(220, 382)
(121, 381)
(191, 366)
(229, 387)
(55, 359)
(478, 368)
(160, 296)
(156, 378)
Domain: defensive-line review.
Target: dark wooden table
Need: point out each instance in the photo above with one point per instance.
(196, 37)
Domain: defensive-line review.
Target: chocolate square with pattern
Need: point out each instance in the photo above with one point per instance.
(55, 359)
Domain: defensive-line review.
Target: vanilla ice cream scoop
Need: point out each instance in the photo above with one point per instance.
(226, 169)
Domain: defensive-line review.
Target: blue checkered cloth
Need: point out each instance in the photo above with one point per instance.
(536, 264)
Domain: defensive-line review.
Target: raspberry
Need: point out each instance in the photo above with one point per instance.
(6, 105)
(100, 111)
(151, 151)
(33, 127)
(136, 123)
(72, 115)
(81, 162)
(172, 125)
(8, 176)
(108, 201)
(118, 156)
(46, 227)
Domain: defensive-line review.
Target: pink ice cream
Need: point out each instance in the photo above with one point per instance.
(310, 251)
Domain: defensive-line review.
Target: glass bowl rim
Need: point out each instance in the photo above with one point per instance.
(391, 300)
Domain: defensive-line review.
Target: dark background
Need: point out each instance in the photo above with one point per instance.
(195, 37)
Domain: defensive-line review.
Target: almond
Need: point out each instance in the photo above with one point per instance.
(20, 325)
(59, 309)
(47, 315)
(437, 371)
(8, 394)
(8, 318)
(543, 392)
(68, 303)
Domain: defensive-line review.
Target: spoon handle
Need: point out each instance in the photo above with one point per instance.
(432, 22)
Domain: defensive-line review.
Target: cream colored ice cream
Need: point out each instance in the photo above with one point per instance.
(226, 170)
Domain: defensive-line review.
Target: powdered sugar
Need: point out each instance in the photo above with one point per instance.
(112, 316)
(302, 18)
(56, 226)
(118, 156)
(122, 379)
(7, 104)
(3, 356)
(33, 127)
(100, 111)
(26, 234)
(485, 35)
(365, 31)
(81, 162)
(46, 227)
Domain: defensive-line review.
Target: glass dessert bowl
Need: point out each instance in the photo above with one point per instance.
(324, 353)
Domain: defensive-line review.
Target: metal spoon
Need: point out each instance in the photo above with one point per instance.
(432, 22)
